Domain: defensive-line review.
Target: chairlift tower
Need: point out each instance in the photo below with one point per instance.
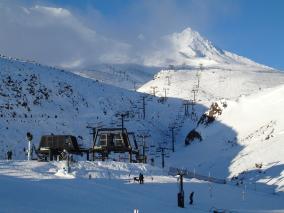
(172, 128)
(193, 114)
(198, 74)
(186, 103)
(194, 91)
(143, 135)
(154, 90)
(163, 154)
(122, 116)
(165, 92)
(168, 80)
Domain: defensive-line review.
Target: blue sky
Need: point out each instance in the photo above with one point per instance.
(251, 28)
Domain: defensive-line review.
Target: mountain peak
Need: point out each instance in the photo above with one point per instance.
(190, 48)
(190, 33)
(191, 44)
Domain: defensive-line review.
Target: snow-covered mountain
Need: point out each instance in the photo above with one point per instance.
(177, 51)
(250, 125)
(190, 48)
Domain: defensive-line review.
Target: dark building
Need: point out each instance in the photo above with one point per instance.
(52, 146)
(116, 140)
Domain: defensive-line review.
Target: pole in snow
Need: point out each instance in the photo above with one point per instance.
(181, 192)
(210, 190)
(244, 192)
(29, 138)
(67, 162)
(163, 158)
(210, 185)
(173, 139)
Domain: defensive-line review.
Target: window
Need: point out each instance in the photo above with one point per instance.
(103, 140)
(118, 140)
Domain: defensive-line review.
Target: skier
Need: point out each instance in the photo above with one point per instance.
(191, 198)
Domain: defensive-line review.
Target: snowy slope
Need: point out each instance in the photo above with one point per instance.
(215, 83)
(262, 137)
(248, 132)
(127, 76)
(46, 100)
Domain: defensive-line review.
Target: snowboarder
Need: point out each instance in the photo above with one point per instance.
(191, 198)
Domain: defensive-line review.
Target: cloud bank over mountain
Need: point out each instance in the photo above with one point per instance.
(60, 37)
(55, 36)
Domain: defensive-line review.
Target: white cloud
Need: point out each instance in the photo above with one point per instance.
(55, 36)
(57, 12)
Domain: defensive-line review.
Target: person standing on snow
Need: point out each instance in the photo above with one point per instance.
(9, 155)
(141, 178)
(191, 198)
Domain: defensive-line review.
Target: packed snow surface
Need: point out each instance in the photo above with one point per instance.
(109, 187)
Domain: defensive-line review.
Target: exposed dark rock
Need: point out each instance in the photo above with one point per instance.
(192, 135)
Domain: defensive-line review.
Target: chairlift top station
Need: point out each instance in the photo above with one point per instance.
(53, 146)
(105, 142)
(116, 140)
